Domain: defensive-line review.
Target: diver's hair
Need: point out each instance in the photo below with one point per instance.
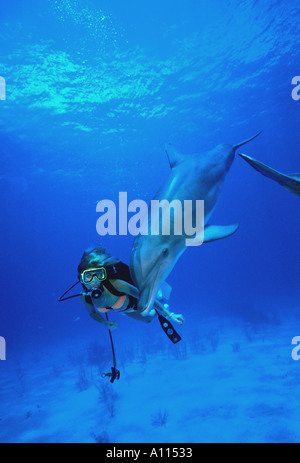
(96, 257)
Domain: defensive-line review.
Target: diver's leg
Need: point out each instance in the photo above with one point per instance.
(137, 316)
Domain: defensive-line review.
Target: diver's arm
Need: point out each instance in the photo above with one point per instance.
(126, 288)
(163, 310)
(96, 316)
(171, 315)
(91, 310)
(133, 291)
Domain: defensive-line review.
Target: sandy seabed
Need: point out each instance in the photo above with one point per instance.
(234, 383)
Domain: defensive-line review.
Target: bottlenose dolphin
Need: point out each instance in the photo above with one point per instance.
(290, 182)
(191, 178)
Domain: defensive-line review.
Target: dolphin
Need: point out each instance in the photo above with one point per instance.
(290, 182)
(191, 178)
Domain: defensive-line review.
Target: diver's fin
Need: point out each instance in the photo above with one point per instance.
(290, 182)
(247, 141)
(174, 156)
(218, 232)
(168, 329)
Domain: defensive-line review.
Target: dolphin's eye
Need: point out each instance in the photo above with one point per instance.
(165, 252)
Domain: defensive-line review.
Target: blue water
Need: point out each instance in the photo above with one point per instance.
(94, 89)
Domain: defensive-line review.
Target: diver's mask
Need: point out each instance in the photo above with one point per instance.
(91, 274)
(87, 277)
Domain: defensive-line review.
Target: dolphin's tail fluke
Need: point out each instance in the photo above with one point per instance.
(247, 141)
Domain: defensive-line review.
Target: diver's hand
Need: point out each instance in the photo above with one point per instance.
(178, 318)
(111, 325)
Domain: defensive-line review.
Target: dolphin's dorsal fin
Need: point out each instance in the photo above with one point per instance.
(174, 156)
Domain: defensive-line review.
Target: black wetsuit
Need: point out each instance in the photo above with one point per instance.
(119, 271)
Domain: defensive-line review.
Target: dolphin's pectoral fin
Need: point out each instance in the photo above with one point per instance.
(218, 232)
(174, 156)
(290, 182)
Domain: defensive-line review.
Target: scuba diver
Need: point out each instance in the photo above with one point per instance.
(108, 286)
